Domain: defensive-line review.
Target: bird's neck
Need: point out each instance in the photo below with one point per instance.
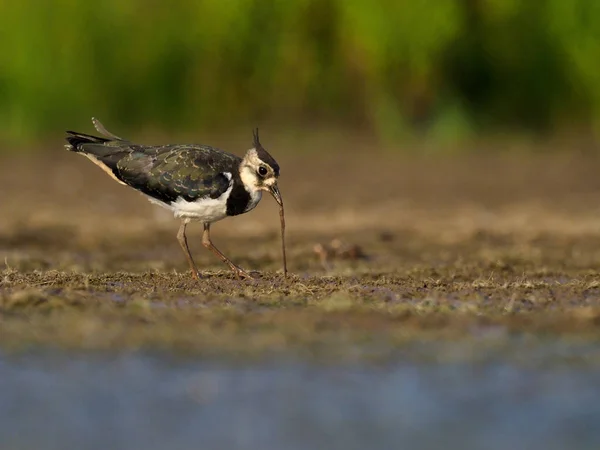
(248, 178)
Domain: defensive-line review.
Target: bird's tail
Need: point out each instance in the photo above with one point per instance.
(77, 140)
(105, 152)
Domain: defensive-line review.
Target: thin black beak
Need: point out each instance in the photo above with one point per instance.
(274, 191)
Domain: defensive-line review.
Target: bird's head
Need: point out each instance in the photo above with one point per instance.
(259, 171)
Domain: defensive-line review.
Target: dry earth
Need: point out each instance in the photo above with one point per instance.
(463, 247)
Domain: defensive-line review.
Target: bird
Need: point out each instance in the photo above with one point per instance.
(196, 182)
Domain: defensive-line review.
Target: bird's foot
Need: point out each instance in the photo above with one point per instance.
(241, 273)
(196, 274)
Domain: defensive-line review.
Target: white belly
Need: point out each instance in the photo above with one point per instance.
(206, 210)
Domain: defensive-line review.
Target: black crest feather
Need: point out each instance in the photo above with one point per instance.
(263, 154)
(256, 141)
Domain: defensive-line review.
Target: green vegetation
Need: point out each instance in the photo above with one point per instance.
(445, 67)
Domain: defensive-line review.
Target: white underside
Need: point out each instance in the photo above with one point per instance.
(206, 210)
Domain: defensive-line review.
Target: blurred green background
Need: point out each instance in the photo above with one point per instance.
(441, 68)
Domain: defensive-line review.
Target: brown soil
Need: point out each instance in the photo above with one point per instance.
(422, 249)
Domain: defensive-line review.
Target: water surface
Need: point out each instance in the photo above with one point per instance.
(53, 400)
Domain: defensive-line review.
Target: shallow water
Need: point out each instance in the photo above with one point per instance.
(55, 400)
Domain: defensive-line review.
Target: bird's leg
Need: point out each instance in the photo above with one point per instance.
(209, 245)
(184, 245)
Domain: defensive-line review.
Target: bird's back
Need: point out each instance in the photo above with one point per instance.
(164, 172)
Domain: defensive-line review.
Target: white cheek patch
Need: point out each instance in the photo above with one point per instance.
(249, 178)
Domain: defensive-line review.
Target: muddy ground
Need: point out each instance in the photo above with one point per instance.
(451, 247)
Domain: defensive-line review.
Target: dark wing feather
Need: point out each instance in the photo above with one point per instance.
(169, 172)
(164, 172)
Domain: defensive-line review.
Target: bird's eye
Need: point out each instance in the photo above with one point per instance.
(262, 171)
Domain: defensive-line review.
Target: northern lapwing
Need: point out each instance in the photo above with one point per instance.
(195, 182)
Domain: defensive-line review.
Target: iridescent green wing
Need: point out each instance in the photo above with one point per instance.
(187, 171)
